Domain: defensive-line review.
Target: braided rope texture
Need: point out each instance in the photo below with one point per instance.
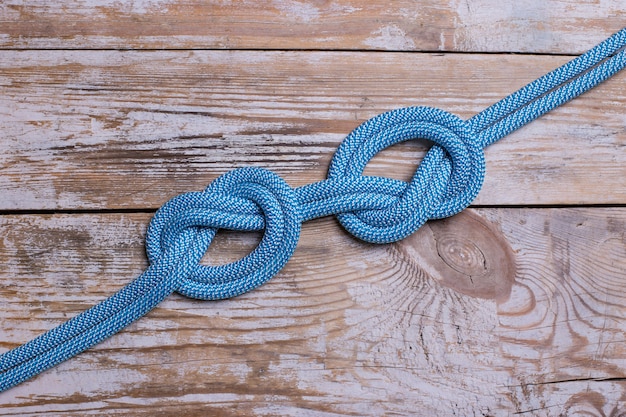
(374, 209)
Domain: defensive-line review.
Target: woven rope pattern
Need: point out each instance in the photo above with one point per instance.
(374, 209)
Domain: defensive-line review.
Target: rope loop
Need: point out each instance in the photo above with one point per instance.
(244, 199)
(446, 182)
(375, 209)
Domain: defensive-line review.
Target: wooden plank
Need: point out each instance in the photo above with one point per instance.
(346, 328)
(140, 127)
(553, 26)
(493, 312)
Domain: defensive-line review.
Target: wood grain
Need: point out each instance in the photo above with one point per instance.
(141, 127)
(549, 26)
(109, 108)
(346, 328)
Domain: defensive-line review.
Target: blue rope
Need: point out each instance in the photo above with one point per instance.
(374, 209)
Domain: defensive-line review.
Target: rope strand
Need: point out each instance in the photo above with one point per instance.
(586, 71)
(374, 209)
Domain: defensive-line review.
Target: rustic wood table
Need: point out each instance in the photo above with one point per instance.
(517, 306)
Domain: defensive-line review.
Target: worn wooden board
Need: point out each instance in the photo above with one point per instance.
(493, 312)
(107, 109)
(141, 127)
(548, 26)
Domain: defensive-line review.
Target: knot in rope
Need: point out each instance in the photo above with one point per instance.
(243, 199)
(374, 209)
(446, 182)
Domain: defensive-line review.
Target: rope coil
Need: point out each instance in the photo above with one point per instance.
(374, 209)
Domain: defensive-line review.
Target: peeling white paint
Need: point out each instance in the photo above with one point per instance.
(344, 8)
(442, 42)
(531, 26)
(390, 37)
(299, 11)
(129, 6)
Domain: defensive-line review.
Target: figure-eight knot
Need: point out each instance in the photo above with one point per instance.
(374, 209)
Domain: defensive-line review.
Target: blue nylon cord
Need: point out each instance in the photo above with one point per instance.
(374, 209)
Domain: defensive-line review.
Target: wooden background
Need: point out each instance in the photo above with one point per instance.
(514, 307)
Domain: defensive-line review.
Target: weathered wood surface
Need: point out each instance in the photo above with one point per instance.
(154, 124)
(548, 26)
(496, 312)
(346, 329)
